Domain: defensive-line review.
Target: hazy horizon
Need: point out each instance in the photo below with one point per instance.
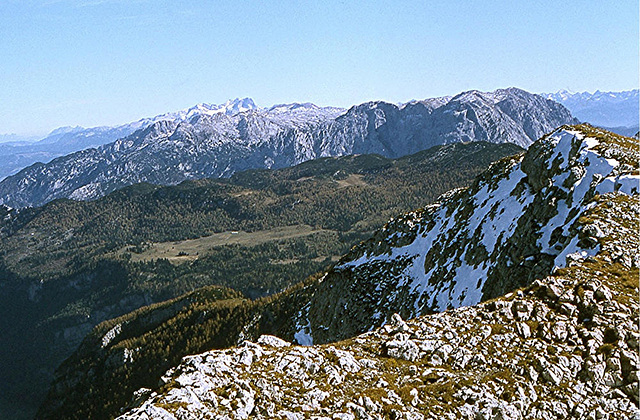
(4, 137)
(109, 62)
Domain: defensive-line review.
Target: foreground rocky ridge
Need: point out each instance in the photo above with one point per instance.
(564, 347)
(580, 204)
(518, 221)
(218, 145)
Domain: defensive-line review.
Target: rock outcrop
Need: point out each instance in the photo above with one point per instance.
(565, 347)
(519, 221)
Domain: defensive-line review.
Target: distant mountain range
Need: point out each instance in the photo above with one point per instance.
(17, 139)
(17, 153)
(619, 111)
(613, 110)
(217, 141)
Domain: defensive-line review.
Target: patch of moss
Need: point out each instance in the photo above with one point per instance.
(172, 407)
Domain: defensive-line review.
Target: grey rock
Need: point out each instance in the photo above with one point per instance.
(523, 330)
(559, 331)
(593, 230)
(272, 341)
(402, 347)
(398, 325)
(521, 309)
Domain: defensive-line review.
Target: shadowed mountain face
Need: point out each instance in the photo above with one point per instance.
(218, 145)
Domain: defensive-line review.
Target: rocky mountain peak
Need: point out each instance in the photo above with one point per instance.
(375, 105)
(236, 106)
(292, 106)
(66, 130)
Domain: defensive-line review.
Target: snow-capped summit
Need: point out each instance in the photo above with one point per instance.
(230, 108)
(236, 106)
(292, 106)
(65, 130)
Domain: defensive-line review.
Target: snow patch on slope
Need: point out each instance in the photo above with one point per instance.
(303, 332)
(456, 246)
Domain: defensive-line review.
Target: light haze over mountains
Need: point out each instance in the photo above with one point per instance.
(217, 141)
(617, 111)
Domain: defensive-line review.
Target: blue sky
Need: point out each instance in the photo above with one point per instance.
(103, 62)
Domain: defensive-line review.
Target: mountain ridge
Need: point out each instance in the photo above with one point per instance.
(64, 140)
(219, 145)
(605, 109)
